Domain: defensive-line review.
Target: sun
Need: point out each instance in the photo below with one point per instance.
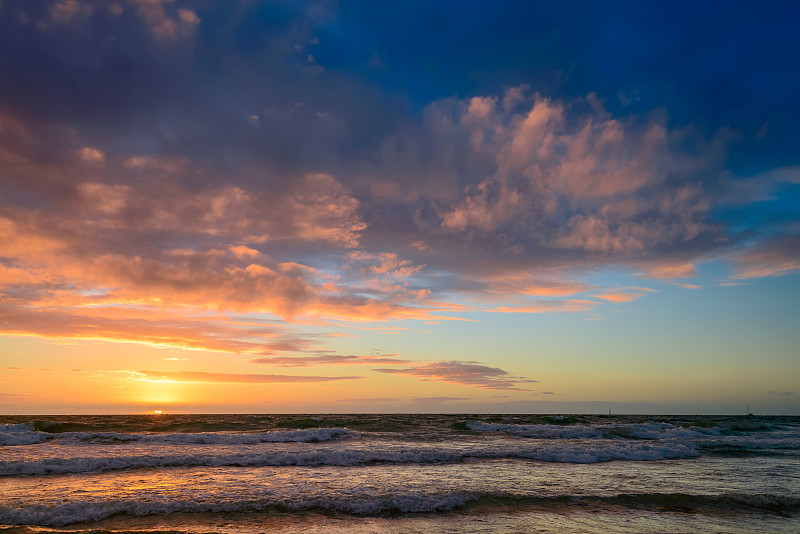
(157, 412)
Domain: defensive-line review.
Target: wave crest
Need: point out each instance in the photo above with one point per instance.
(25, 434)
(363, 505)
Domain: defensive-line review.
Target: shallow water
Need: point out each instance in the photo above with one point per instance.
(399, 473)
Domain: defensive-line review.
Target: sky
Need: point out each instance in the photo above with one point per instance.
(357, 206)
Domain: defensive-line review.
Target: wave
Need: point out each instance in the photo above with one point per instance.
(8, 439)
(563, 453)
(310, 435)
(407, 503)
(653, 431)
(538, 431)
(712, 440)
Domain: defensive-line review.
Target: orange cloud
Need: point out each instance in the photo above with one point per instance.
(548, 285)
(330, 359)
(198, 376)
(178, 329)
(620, 296)
(104, 246)
(669, 270)
(548, 306)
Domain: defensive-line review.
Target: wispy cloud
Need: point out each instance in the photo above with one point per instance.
(774, 257)
(181, 328)
(320, 199)
(620, 296)
(547, 306)
(330, 359)
(200, 376)
(667, 270)
(464, 373)
(423, 400)
(684, 285)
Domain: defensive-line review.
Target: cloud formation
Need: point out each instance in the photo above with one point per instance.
(330, 359)
(463, 373)
(775, 257)
(200, 167)
(551, 177)
(200, 376)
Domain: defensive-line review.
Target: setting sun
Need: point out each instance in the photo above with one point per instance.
(314, 265)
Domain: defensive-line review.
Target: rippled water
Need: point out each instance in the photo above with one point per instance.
(399, 473)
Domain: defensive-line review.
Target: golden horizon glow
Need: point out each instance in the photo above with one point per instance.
(517, 240)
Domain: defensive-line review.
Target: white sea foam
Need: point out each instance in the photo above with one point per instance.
(84, 511)
(51, 466)
(653, 430)
(17, 427)
(607, 451)
(219, 438)
(87, 511)
(751, 443)
(590, 452)
(538, 431)
(20, 434)
(22, 438)
(24, 434)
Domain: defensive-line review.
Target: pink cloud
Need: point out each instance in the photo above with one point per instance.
(163, 26)
(92, 155)
(66, 12)
(106, 244)
(606, 178)
(463, 373)
(777, 257)
(683, 285)
(542, 197)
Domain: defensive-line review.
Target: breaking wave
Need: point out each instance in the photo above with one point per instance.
(408, 503)
(653, 430)
(563, 453)
(26, 434)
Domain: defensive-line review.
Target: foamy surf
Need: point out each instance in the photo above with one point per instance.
(120, 474)
(87, 511)
(652, 430)
(312, 435)
(570, 453)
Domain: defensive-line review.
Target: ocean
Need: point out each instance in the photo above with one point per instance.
(399, 473)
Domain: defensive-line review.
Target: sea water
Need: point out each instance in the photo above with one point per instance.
(399, 473)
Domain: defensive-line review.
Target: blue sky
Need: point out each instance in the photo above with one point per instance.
(410, 206)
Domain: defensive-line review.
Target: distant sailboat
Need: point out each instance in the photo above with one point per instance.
(749, 413)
